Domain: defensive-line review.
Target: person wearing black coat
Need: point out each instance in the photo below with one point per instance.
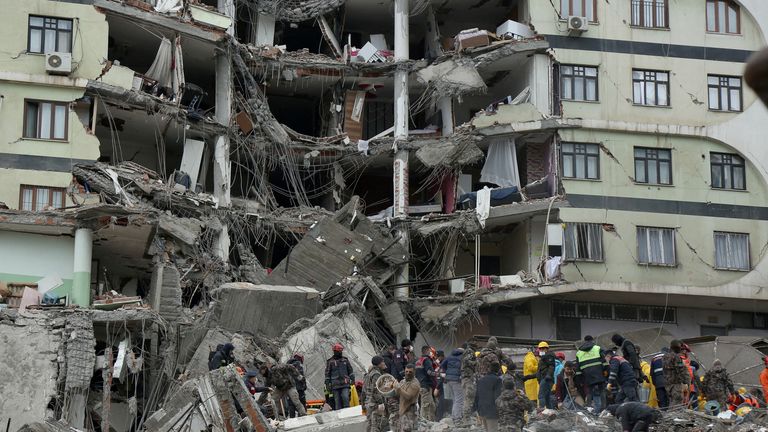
(657, 378)
(222, 356)
(389, 360)
(297, 361)
(621, 377)
(630, 352)
(634, 416)
(489, 389)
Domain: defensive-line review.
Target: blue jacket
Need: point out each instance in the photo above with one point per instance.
(621, 372)
(452, 366)
(657, 371)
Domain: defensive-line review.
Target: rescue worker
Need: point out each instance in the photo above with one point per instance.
(630, 353)
(622, 378)
(252, 383)
(402, 357)
(488, 390)
(530, 366)
(568, 390)
(645, 383)
(591, 366)
(657, 378)
(425, 373)
(451, 367)
(685, 354)
(389, 359)
(764, 379)
(468, 379)
(511, 407)
(717, 384)
(283, 378)
(559, 363)
(634, 416)
(489, 355)
(408, 393)
(545, 374)
(372, 399)
(443, 405)
(677, 378)
(297, 361)
(222, 357)
(339, 376)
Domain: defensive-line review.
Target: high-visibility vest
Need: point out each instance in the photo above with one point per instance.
(589, 358)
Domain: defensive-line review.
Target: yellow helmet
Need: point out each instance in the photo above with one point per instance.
(742, 391)
(543, 344)
(477, 353)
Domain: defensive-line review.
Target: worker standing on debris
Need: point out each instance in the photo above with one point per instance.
(372, 399)
(657, 378)
(468, 379)
(451, 367)
(530, 366)
(488, 390)
(222, 357)
(717, 384)
(676, 375)
(489, 355)
(545, 374)
(408, 392)
(622, 378)
(283, 378)
(630, 353)
(511, 407)
(339, 376)
(591, 366)
(389, 360)
(443, 405)
(297, 361)
(764, 379)
(425, 373)
(635, 416)
(403, 356)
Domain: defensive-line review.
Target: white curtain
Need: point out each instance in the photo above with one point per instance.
(583, 241)
(160, 70)
(501, 164)
(178, 68)
(165, 6)
(656, 245)
(732, 251)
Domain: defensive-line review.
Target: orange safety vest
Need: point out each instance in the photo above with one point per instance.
(687, 362)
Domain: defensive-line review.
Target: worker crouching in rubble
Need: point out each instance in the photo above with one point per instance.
(511, 406)
(634, 416)
(621, 377)
(717, 384)
(283, 378)
(569, 389)
(408, 393)
(222, 357)
(339, 376)
(371, 398)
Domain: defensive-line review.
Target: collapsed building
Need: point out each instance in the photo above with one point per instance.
(288, 174)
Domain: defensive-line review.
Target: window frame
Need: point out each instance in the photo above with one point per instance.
(723, 166)
(654, 5)
(591, 19)
(660, 230)
(749, 251)
(572, 76)
(657, 161)
(574, 164)
(655, 82)
(34, 189)
(38, 134)
(728, 4)
(719, 86)
(45, 27)
(566, 240)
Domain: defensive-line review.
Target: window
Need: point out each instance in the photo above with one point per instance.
(750, 320)
(45, 120)
(578, 83)
(585, 8)
(568, 309)
(731, 251)
(656, 246)
(581, 161)
(583, 242)
(724, 93)
(650, 88)
(650, 13)
(727, 171)
(48, 34)
(653, 166)
(723, 16)
(39, 198)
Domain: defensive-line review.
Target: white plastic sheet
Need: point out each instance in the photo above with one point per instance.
(168, 67)
(483, 206)
(165, 6)
(501, 164)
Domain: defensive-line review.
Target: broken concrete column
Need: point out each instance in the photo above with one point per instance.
(80, 360)
(81, 277)
(165, 292)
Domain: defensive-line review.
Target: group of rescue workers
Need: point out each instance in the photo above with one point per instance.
(483, 383)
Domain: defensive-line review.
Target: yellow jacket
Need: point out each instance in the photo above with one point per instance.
(646, 368)
(530, 367)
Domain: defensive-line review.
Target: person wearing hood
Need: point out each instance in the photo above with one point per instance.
(630, 353)
(717, 384)
(677, 378)
(222, 357)
(339, 376)
(591, 367)
(634, 416)
(530, 366)
(489, 355)
(451, 367)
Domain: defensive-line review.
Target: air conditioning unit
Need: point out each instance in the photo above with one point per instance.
(58, 63)
(577, 24)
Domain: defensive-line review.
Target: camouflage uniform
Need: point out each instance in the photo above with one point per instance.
(717, 385)
(392, 405)
(677, 378)
(489, 356)
(371, 400)
(511, 407)
(283, 378)
(468, 381)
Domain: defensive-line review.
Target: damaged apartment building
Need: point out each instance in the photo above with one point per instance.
(178, 173)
